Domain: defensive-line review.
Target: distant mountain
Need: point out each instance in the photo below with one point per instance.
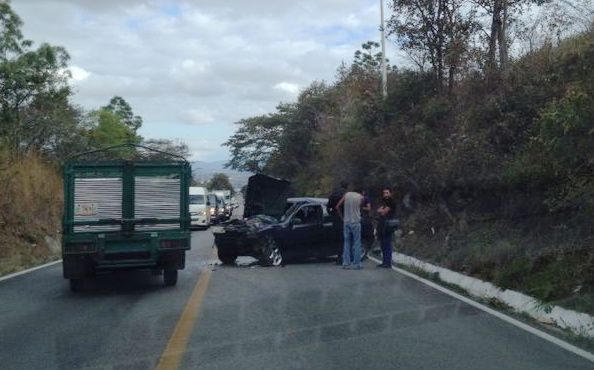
(215, 165)
(203, 171)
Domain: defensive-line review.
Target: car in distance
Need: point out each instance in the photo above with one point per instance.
(199, 212)
(221, 211)
(212, 207)
(227, 209)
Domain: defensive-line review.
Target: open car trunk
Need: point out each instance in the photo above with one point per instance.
(267, 196)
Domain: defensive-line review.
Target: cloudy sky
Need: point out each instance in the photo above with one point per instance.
(192, 68)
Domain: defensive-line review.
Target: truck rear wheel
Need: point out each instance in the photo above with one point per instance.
(170, 277)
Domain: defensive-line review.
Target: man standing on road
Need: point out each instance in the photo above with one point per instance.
(386, 212)
(352, 202)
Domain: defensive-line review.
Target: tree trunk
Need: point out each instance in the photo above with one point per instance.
(451, 79)
(440, 43)
(495, 21)
(502, 38)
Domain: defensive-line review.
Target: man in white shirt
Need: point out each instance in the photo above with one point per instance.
(352, 202)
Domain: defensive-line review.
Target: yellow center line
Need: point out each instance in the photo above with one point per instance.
(176, 347)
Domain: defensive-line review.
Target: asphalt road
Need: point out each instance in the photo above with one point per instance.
(302, 316)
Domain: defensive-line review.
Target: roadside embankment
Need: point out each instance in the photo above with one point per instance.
(548, 257)
(30, 212)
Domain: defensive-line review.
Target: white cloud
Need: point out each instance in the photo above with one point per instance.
(197, 117)
(78, 74)
(287, 87)
(195, 67)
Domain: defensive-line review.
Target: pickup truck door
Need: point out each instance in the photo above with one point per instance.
(305, 234)
(332, 233)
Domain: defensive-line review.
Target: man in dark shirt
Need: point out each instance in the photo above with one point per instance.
(334, 198)
(386, 212)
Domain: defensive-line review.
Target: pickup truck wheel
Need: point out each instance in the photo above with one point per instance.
(226, 258)
(271, 253)
(76, 285)
(170, 277)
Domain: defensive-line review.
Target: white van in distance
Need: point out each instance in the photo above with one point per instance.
(199, 213)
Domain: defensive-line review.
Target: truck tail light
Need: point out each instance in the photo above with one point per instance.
(177, 243)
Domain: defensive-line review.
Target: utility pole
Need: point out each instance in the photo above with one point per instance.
(384, 67)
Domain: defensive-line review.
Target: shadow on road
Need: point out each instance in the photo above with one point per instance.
(122, 282)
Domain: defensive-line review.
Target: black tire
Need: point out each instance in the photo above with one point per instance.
(170, 277)
(271, 253)
(76, 285)
(227, 258)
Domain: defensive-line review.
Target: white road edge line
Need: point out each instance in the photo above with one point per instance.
(10, 276)
(566, 346)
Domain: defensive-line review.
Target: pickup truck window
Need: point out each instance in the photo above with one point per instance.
(310, 214)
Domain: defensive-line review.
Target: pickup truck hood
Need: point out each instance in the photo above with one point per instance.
(248, 226)
(266, 195)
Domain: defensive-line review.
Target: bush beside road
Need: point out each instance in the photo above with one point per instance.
(30, 213)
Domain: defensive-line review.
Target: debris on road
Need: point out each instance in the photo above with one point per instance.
(246, 261)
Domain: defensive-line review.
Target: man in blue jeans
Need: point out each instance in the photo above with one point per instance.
(352, 202)
(386, 212)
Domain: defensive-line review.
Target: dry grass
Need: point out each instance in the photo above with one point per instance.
(30, 210)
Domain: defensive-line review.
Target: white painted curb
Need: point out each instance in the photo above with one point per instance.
(577, 322)
(29, 270)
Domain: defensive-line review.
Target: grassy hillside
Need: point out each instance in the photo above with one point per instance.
(30, 212)
(516, 206)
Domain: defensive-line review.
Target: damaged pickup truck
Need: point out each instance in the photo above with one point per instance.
(277, 227)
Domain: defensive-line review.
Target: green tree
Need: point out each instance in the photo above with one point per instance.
(110, 126)
(12, 42)
(503, 14)
(121, 108)
(109, 130)
(51, 125)
(369, 59)
(281, 143)
(439, 30)
(566, 138)
(27, 76)
(220, 181)
(255, 141)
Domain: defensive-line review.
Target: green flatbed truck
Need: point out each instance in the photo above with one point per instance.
(125, 214)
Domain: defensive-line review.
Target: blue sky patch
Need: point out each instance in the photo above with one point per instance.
(171, 9)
